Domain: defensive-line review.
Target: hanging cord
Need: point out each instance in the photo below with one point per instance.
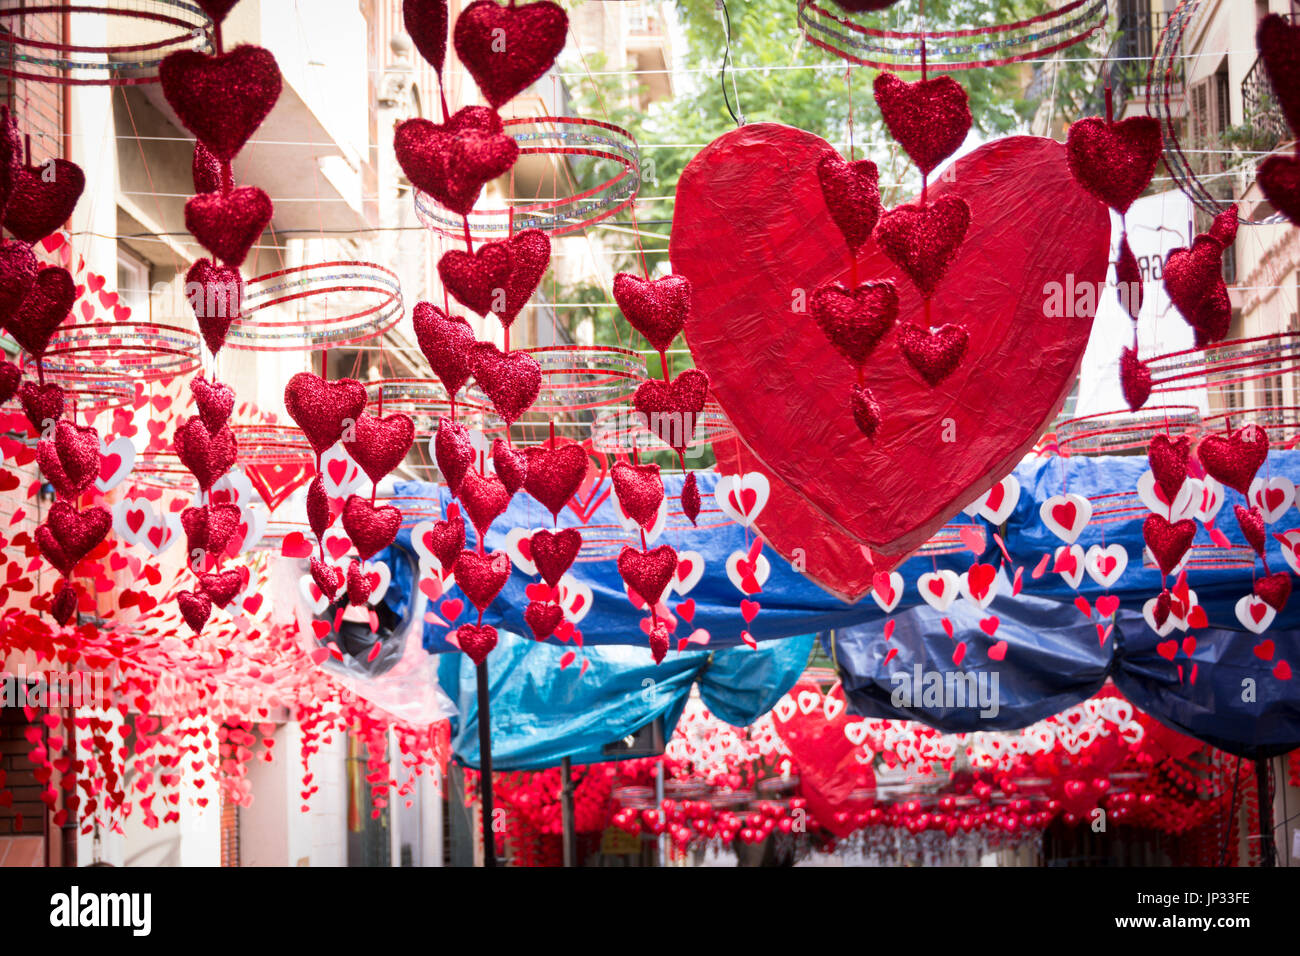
(721, 5)
(1232, 812)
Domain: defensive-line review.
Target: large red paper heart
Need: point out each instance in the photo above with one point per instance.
(1031, 225)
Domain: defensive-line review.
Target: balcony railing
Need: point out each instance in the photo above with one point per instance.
(1259, 105)
(1127, 61)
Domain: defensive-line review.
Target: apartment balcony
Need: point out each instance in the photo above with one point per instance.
(1127, 62)
(649, 48)
(1260, 108)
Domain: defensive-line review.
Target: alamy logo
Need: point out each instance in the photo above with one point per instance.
(76, 909)
(950, 691)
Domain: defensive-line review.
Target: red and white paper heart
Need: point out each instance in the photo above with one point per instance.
(1066, 516)
(1106, 564)
(742, 498)
(939, 588)
(1273, 497)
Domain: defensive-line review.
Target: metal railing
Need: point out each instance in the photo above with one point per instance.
(1259, 104)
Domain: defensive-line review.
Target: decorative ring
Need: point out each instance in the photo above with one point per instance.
(119, 64)
(90, 394)
(143, 351)
(1223, 365)
(551, 136)
(313, 323)
(946, 50)
(948, 540)
(1109, 432)
(1281, 421)
(1210, 557)
(424, 400)
(1116, 506)
(272, 445)
(621, 430)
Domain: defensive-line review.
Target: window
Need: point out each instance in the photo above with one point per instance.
(133, 285)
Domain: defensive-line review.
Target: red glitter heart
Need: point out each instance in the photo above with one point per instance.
(208, 529)
(11, 376)
(855, 321)
(923, 240)
(216, 294)
(224, 586)
(370, 528)
(1160, 613)
(195, 608)
(1234, 460)
(11, 152)
(446, 342)
(691, 497)
(510, 380)
(46, 305)
(1134, 379)
(866, 410)
(929, 118)
(543, 619)
(42, 404)
(485, 499)
(648, 573)
(208, 455)
(555, 474)
(379, 445)
(1193, 279)
(43, 198)
(1168, 542)
(640, 491)
(214, 400)
(18, 269)
(659, 635)
(320, 514)
(68, 535)
(1251, 523)
(671, 410)
(852, 194)
(554, 553)
(221, 99)
(506, 49)
(935, 354)
(656, 308)
(1128, 279)
(1279, 178)
(482, 576)
(327, 577)
(447, 539)
(323, 409)
(210, 174)
(476, 641)
(453, 451)
(452, 162)
(359, 587)
(64, 605)
(1224, 226)
(1114, 161)
(1274, 590)
(426, 21)
(498, 277)
(70, 461)
(1279, 47)
(511, 466)
(228, 224)
(1167, 458)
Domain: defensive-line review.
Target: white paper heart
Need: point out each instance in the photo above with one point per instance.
(1181, 620)
(1001, 500)
(1254, 614)
(1211, 499)
(982, 603)
(742, 497)
(381, 576)
(312, 598)
(515, 539)
(629, 524)
(690, 568)
(939, 588)
(132, 517)
(887, 602)
(161, 534)
(1273, 497)
(1073, 573)
(339, 474)
(1149, 615)
(122, 449)
(1105, 565)
(252, 525)
(575, 598)
(1290, 542)
(232, 488)
(1149, 560)
(1185, 503)
(761, 569)
(1066, 515)
(785, 709)
(809, 701)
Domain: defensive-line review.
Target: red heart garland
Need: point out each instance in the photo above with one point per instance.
(1279, 178)
(511, 466)
(690, 497)
(640, 491)
(866, 410)
(935, 354)
(224, 586)
(327, 577)
(656, 308)
(485, 499)
(855, 320)
(208, 529)
(210, 174)
(929, 118)
(323, 409)
(18, 269)
(1168, 542)
(42, 404)
(68, 535)
(1167, 458)
(510, 380)
(70, 461)
(370, 528)
(554, 553)
(379, 445)
(446, 342)
(1251, 523)
(216, 294)
(320, 514)
(498, 277)
(43, 198)
(221, 99)
(648, 573)
(453, 451)
(1279, 47)
(195, 609)
(1114, 161)
(482, 576)
(11, 376)
(1134, 379)
(852, 194)
(659, 636)
(358, 582)
(923, 240)
(214, 400)
(1274, 590)
(447, 539)
(1234, 460)
(543, 618)
(47, 304)
(426, 21)
(1128, 279)
(227, 224)
(670, 410)
(1193, 279)
(506, 49)
(555, 474)
(476, 641)
(452, 162)
(207, 455)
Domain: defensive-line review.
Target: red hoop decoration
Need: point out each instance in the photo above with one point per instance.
(621, 430)
(1108, 432)
(558, 215)
(424, 400)
(1116, 506)
(272, 445)
(1225, 365)
(948, 540)
(181, 25)
(90, 394)
(1281, 421)
(900, 51)
(314, 322)
(1210, 557)
(1163, 75)
(141, 351)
